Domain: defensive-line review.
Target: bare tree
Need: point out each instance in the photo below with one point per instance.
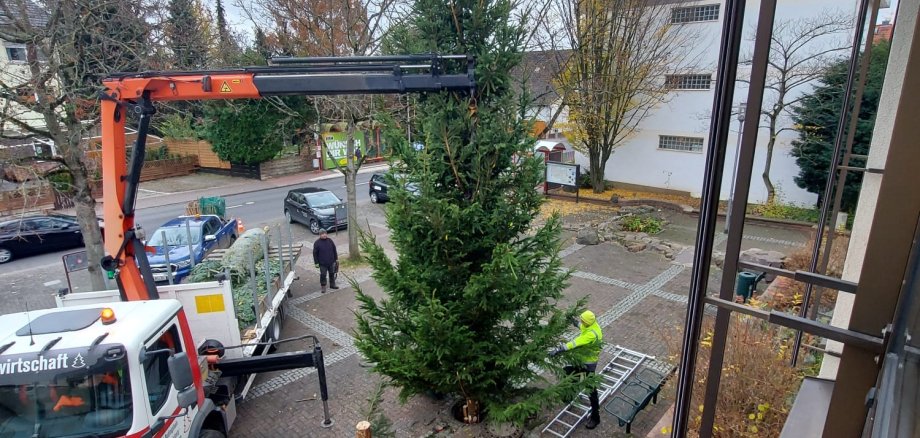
(800, 51)
(68, 47)
(336, 28)
(620, 53)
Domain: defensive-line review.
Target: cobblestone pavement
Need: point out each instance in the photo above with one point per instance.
(640, 299)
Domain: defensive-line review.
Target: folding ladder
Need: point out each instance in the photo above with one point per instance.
(624, 363)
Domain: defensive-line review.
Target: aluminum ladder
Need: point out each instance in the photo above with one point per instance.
(624, 363)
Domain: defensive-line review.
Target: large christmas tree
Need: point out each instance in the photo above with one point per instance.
(472, 298)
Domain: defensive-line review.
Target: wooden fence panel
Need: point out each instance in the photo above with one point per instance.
(206, 156)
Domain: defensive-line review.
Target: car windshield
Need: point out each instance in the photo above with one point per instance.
(322, 199)
(72, 393)
(175, 236)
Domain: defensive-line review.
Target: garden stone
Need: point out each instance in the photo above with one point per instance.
(636, 247)
(718, 258)
(587, 236)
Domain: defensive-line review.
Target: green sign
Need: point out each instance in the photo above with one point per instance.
(335, 148)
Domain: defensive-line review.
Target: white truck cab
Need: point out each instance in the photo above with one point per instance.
(92, 370)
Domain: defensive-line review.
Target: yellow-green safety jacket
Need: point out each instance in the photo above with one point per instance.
(590, 340)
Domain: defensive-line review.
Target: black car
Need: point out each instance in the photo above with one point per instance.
(316, 208)
(30, 235)
(378, 187)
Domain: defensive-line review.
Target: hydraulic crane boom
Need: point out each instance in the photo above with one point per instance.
(136, 92)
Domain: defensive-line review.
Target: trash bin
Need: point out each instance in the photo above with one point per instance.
(746, 283)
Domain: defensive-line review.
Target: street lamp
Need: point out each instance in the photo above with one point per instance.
(731, 193)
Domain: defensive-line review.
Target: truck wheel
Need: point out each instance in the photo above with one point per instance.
(211, 433)
(287, 216)
(5, 255)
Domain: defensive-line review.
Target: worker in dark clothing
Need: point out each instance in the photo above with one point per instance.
(326, 258)
(588, 344)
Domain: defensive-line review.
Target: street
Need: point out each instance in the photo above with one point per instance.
(32, 281)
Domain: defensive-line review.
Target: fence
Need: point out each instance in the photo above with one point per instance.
(207, 158)
(34, 198)
(169, 168)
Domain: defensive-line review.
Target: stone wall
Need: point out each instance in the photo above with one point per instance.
(284, 166)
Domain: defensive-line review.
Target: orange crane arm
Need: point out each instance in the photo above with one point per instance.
(134, 94)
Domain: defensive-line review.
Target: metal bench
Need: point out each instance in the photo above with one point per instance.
(635, 394)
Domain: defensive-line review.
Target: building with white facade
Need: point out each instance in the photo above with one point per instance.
(668, 149)
(15, 71)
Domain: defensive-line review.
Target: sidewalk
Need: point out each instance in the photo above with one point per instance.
(180, 190)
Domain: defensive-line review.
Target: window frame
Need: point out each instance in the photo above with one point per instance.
(679, 82)
(9, 54)
(171, 328)
(661, 141)
(695, 13)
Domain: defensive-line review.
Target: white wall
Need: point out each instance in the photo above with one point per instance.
(687, 113)
(14, 73)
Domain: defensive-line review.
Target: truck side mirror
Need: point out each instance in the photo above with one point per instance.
(180, 370)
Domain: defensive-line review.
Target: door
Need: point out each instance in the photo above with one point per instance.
(161, 397)
(211, 227)
(300, 200)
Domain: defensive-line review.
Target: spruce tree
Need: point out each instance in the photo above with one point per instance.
(184, 35)
(471, 307)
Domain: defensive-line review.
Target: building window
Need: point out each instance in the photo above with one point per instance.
(688, 82)
(675, 143)
(691, 14)
(16, 54)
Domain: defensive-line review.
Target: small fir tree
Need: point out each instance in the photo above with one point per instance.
(471, 306)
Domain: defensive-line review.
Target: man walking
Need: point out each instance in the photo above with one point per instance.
(326, 258)
(588, 347)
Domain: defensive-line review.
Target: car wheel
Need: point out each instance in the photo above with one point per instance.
(374, 198)
(314, 226)
(211, 433)
(5, 255)
(287, 215)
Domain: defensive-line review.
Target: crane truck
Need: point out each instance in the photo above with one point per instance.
(145, 361)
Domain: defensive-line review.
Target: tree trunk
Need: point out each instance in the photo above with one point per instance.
(771, 190)
(351, 171)
(85, 206)
(597, 167)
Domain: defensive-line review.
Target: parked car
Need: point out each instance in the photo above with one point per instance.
(207, 232)
(32, 235)
(317, 208)
(378, 187)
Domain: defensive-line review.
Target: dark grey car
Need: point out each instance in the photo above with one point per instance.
(318, 209)
(379, 186)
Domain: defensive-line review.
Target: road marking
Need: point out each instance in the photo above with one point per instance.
(52, 283)
(358, 184)
(154, 192)
(234, 206)
(249, 203)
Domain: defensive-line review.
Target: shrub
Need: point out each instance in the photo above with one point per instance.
(776, 210)
(585, 180)
(177, 126)
(757, 386)
(642, 224)
(160, 153)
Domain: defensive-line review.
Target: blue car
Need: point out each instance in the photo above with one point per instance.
(207, 233)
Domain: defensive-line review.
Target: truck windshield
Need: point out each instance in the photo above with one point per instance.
(175, 236)
(65, 394)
